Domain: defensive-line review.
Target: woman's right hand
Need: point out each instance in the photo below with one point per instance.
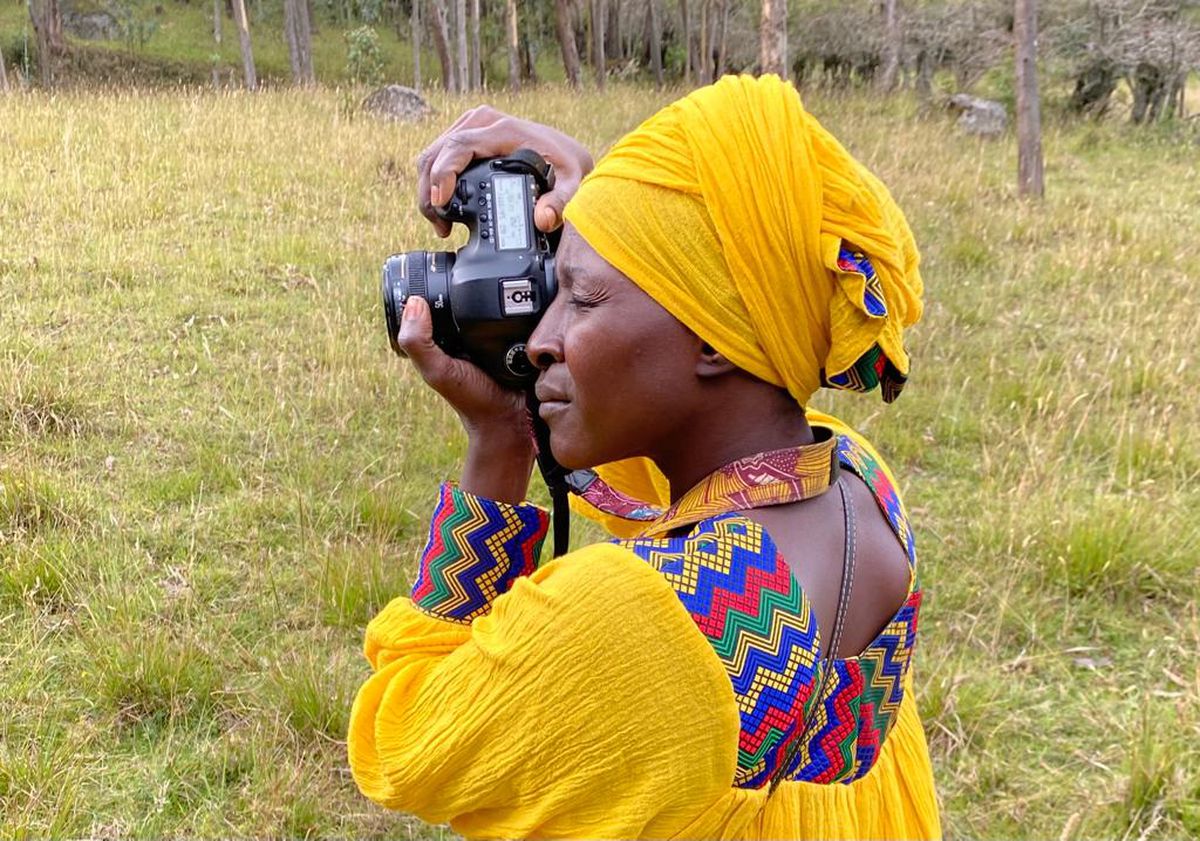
(484, 132)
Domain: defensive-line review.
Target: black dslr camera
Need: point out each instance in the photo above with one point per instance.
(487, 297)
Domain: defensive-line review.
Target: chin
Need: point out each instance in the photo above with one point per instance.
(574, 451)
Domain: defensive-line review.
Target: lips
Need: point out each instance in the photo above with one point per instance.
(546, 394)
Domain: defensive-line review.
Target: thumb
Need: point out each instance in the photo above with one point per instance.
(548, 213)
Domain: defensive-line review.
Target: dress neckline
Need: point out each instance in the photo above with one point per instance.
(776, 477)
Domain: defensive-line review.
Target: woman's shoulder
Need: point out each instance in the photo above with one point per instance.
(857, 455)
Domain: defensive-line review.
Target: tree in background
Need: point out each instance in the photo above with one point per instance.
(686, 35)
(565, 27)
(460, 28)
(1029, 114)
(654, 36)
(773, 38)
(297, 30)
(3, 74)
(892, 45)
(513, 29)
(476, 59)
(46, 16)
(598, 63)
(439, 25)
(249, 74)
(414, 33)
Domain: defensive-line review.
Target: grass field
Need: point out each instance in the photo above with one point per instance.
(213, 471)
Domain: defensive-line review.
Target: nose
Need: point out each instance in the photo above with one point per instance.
(545, 346)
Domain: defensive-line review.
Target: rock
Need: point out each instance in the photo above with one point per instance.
(397, 103)
(92, 26)
(977, 116)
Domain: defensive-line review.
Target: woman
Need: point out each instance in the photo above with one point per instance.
(736, 664)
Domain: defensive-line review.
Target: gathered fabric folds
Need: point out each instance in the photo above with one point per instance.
(736, 207)
(735, 204)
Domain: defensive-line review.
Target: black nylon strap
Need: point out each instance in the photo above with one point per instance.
(555, 476)
(849, 554)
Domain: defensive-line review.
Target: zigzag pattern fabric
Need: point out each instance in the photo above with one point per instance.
(873, 368)
(476, 549)
(743, 597)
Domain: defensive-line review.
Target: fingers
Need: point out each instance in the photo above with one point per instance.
(416, 339)
(462, 147)
(479, 117)
(548, 213)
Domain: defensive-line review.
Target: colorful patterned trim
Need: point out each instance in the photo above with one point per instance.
(476, 549)
(743, 597)
(846, 729)
(854, 261)
(771, 478)
(602, 496)
(855, 457)
(873, 369)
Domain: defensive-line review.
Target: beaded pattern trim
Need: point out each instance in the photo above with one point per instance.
(743, 597)
(476, 549)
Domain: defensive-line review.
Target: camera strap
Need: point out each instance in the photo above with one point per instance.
(555, 477)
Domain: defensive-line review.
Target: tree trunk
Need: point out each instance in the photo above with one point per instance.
(243, 27)
(722, 37)
(612, 28)
(3, 74)
(529, 62)
(291, 33)
(566, 40)
(703, 64)
(772, 53)
(46, 16)
(441, 43)
(476, 55)
(1029, 119)
(892, 40)
(598, 42)
(218, 13)
(655, 42)
(514, 46)
(304, 39)
(460, 26)
(414, 31)
(686, 34)
(924, 78)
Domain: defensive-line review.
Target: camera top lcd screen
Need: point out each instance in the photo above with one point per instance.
(509, 208)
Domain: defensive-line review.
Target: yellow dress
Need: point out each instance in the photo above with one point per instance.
(635, 689)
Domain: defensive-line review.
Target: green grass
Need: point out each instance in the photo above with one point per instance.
(213, 471)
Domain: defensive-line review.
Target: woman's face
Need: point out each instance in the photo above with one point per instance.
(618, 371)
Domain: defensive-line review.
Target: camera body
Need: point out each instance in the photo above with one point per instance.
(487, 297)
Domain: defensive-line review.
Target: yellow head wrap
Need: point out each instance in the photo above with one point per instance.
(731, 208)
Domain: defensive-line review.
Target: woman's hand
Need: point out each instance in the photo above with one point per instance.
(500, 447)
(484, 132)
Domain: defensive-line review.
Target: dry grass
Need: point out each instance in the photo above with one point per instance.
(212, 471)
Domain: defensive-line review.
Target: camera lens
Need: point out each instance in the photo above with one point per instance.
(425, 274)
(395, 293)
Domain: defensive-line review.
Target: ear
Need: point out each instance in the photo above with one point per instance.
(710, 363)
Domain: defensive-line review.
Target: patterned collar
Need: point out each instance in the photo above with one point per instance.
(772, 478)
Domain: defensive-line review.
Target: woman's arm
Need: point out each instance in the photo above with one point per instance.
(499, 446)
(585, 704)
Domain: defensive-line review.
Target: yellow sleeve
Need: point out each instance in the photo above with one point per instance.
(585, 704)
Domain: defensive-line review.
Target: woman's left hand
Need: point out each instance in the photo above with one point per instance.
(500, 447)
